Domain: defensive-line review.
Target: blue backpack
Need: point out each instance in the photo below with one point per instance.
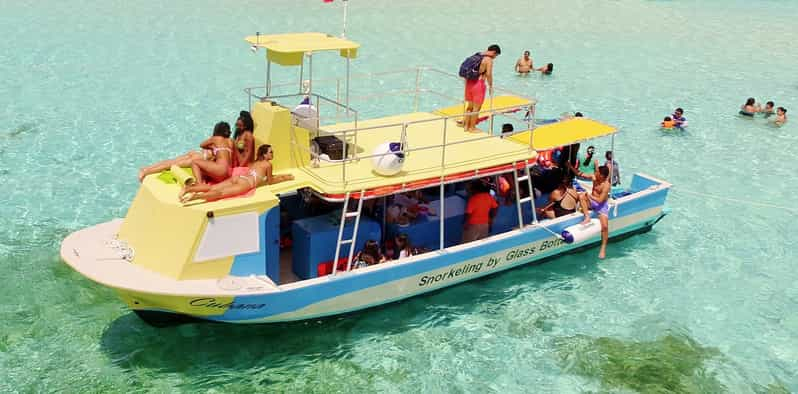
(470, 67)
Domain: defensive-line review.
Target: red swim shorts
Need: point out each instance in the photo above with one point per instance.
(475, 91)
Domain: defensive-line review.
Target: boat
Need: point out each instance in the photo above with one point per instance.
(286, 252)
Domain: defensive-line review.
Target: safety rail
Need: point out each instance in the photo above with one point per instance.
(332, 87)
(324, 103)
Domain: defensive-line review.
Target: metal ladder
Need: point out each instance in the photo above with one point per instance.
(530, 199)
(345, 214)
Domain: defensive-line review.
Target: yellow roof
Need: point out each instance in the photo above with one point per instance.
(288, 49)
(468, 152)
(564, 133)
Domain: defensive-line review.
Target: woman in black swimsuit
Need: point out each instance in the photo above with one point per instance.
(562, 201)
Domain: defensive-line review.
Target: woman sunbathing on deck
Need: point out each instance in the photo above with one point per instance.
(260, 173)
(221, 167)
(214, 150)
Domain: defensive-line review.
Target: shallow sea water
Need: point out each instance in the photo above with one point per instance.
(706, 302)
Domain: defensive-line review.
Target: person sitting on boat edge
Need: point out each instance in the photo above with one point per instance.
(598, 201)
(750, 107)
(260, 173)
(221, 168)
(370, 255)
(781, 116)
(679, 121)
(562, 201)
(244, 140)
(479, 213)
(209, 152)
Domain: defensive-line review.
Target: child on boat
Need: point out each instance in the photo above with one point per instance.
(260, 173)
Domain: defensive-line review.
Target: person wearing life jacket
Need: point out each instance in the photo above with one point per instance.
(667, 123)
(477, 69)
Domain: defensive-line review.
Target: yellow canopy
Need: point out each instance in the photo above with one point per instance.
(288, 49)
(564, 133)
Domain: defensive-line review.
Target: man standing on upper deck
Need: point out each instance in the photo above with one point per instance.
(477, 69)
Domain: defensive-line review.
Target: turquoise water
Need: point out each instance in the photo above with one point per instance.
(92, 90)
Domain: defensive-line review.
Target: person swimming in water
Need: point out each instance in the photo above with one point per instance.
(768, 110)
(208, 153)
(667, 123)
(547, 69)
(781, 116)
(260, 173)
(750, 107)
(679, 120)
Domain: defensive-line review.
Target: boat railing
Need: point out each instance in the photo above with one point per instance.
(319, 122)
(333, 106)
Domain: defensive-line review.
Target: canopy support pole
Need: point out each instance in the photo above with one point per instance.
(302, 75)
(268, 76)
(310, 73)
(348, 61)
(343, 35)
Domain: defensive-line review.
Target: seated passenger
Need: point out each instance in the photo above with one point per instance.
(667, 123)
(370, 255)
(480, 209)
(260, 173)
(219, 169)
(207, 153)
(402, 246)
(404, 208)
(750, 107)
(244, 140)
(562, 201)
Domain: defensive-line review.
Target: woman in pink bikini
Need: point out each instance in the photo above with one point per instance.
(260, 173)
(214, 156)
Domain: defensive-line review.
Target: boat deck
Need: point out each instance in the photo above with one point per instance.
(428, 132)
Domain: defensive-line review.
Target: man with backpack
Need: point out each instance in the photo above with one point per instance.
(476, 69)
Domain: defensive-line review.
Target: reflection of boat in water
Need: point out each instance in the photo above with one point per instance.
(226, 260)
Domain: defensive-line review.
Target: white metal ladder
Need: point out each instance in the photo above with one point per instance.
(521, 201)
(345, 214)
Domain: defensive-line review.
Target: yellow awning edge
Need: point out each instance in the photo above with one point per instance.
(288, 49)
(565, 132)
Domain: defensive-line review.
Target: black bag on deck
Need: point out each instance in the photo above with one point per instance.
(331, 146)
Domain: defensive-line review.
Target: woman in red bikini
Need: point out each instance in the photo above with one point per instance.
(260, 173)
